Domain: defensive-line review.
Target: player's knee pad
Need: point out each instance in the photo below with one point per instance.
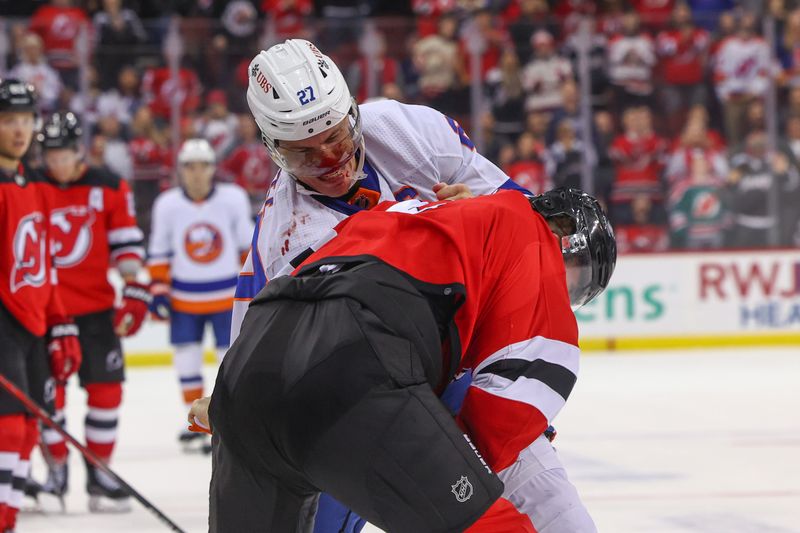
(12, 432)
(104, 395)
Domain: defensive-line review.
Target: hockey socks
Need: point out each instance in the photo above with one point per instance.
(101, 419)
(189, 364)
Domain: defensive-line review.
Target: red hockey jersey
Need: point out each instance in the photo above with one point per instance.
(27, 288)
(59, 28)
(517, 331)
(94, 227)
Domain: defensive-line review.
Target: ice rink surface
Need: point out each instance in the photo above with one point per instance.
(659, 442)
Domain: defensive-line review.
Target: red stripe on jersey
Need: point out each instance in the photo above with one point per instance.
(502, 517)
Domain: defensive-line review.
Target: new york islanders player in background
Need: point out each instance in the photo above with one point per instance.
(337, 158)
(200, 232)
(32, 318)
(333, 383)
(94, 229)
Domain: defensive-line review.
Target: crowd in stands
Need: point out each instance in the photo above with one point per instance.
(678, 135)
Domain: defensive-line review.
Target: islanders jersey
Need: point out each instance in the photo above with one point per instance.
(93, 228)
(409, 149)
(196, 247)
(516, 330)
(27, 287)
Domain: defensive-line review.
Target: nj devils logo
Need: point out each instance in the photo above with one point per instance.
(462, 489)
(72, 234)
(203, 242)
(29, 249)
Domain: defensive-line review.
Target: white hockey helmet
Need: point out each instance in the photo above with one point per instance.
(196, 150)
(296, 92)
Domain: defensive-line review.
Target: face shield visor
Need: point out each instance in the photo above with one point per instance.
(577, 260)
(337, 146)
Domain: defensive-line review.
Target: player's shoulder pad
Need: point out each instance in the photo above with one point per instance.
(101, 177)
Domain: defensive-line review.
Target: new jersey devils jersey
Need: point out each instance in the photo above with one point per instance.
(28, 276)
(94, 228)
(516, 328)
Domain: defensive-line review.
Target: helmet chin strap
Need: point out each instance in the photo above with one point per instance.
(358, 173)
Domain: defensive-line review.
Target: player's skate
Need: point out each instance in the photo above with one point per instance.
(56, 485)
(194, 442)
(105, 494)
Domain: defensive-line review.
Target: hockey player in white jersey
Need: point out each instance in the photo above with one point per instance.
(200, 233)
(336, 158)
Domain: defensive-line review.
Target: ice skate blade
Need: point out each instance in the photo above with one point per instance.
(105, 505)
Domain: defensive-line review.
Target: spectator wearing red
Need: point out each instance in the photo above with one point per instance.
(288, 19)
(545, 74)
(696, 141)
(645, 232)
(683, 51)
(249, 165)
(528, 169)
(59, 24)
(570, 12)
(631, 59)
(655, 14)
(742, 69)
(34, 69)
(485, 28)
(638, 157)
(158, 90)
(373, 70)
(428, 12)
(218, 125)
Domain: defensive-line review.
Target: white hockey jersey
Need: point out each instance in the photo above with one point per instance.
(197, 247)
(742, 66)
(409, 149)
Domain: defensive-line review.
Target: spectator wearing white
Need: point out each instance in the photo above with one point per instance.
(123, 100)
(742, 68)
(631, 59)
(437, 59)
(544, 75)
(116, 152)
(34, 69)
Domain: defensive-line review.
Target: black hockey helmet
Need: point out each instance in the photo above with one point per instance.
(588, 244)
(62, 130)
(17, 96)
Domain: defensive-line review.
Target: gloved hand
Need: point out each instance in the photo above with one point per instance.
(160, 307)
(128, 318)
(63, 347)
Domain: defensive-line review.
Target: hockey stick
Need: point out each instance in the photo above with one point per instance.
(90, 456)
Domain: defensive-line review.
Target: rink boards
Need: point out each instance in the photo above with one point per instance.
(655, 301)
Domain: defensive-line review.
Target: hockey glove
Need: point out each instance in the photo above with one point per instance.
(160, 306)
(64, 348)
(128, 318)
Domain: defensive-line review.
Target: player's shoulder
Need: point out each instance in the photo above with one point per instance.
(101, 177)
(168, 198)
(394, 113)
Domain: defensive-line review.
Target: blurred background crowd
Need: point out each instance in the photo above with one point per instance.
(682, 116)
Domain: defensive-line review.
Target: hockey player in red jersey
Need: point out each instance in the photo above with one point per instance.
(33, 322)
(332, 384)
(94, 228)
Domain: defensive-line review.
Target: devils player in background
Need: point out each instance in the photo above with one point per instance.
(94, 228)
(33, 322)
(333, 383)
(199, 235)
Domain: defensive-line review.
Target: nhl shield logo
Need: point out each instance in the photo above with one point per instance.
(462, 489)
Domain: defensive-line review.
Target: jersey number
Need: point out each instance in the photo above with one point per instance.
(306, 95)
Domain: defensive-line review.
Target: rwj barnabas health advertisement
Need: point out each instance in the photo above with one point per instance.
(720, 298)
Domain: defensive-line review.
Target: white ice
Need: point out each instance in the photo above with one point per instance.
(660, 442)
